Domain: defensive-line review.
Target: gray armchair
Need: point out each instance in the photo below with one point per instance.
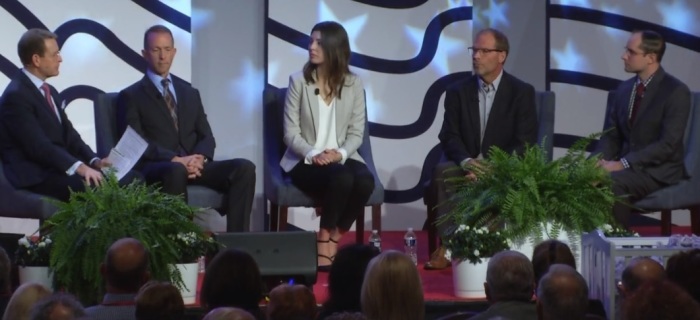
(279, 189)
(685, 194)
(107, 136)
(544, 103)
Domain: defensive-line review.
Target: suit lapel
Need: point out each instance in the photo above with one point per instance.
(472, 112)
(649, 94)
(180, 94)
(313, 104)
(40, 100)
(498, 107)
(157, 98)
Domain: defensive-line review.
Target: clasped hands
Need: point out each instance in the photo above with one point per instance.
(194, 164)
(327, 157)
(473, 163)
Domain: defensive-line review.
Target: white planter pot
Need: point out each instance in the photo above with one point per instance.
(469, 278)
(189, 273)
(573, 241)
(40, 275)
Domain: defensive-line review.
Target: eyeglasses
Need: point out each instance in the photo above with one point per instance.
(482, 51)
(633, 53)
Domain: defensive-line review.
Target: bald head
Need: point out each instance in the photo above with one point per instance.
(126, 265)
(639, 271)
(562, 293)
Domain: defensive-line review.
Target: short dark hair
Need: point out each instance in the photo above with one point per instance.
(31, 43)
(501, 39)
(549, 252)
(5, 267)
(159, 28)
(659, 300)
(682, 269)
(127, 279)
(345, 277)
(43, 308)
(291, 302)
(159, 300)
(232, 279)
(563, 300)
(652, 42)
(509, 277)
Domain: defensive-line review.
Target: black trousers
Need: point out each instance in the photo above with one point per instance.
(234, 178)
(632, 186)
(443, 191)
(342, 188)
(58, 185)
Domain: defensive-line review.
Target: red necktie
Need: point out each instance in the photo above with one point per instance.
(49, 100)
(638, 94)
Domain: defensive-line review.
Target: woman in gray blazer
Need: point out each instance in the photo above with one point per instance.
(324, 121)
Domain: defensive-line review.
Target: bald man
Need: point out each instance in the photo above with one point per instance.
(562, 293)
(639, 271)
(124, 270)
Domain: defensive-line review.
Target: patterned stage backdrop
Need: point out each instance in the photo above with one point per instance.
(101, 44)
(407, 52)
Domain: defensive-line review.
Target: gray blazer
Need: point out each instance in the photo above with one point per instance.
(301, 115)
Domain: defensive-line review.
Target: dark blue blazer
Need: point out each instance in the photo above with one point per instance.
(33, 143)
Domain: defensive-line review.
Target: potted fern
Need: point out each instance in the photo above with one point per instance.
(528, 198)
(84, 227)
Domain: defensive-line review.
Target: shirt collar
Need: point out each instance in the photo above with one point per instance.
(495, 82)
(34, 79)
(156, 79)
(646, 82)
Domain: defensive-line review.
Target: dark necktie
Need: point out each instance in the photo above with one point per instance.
(47, 95)
(169, 100)
(638, 95)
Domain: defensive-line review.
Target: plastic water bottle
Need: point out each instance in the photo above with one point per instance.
(375, 240)
(410, 244)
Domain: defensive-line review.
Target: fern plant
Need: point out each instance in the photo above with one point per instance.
(521, 195)
(84, 227)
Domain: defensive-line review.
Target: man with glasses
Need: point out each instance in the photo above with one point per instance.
(41, 151)
(644, 149)
(491, 108)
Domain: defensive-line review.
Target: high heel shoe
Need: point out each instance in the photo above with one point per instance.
(324, 268)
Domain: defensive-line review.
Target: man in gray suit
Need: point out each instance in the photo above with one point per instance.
(644, 150)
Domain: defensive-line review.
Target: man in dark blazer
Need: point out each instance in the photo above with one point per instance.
(491, 108)
(168, 113)
(40, 149)
(644, 150)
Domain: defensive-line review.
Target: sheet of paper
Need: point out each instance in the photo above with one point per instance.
(127, 152)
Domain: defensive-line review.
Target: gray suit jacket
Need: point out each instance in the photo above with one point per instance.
(301, 119)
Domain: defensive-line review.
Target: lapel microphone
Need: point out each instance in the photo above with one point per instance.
(317, 91)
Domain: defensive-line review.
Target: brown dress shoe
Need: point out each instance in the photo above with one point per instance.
(438, 260)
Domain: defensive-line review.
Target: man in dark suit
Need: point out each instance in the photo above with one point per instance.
(491, 108)
(644, 150)
(41, 151)
(168, 113)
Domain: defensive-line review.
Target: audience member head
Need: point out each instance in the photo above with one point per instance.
(682, 268)
(392, 289)
(489, 52)
(39, 52)
(550, 252)
(159, 300)
(125, 268)
(5, 268)
(58, 306)
(23, 299)
(562, 293)
(346, 316)
(228, 313)
(232, 280)
(509, 277)
(345, 277)
(638, 271)
(159, 49)
(663, 299)
(291, 302)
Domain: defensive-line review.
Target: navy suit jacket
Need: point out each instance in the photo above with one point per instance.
(142, 107)
(511, 125)
(33, 143)
(654, 142)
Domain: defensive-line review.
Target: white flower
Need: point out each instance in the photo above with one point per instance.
(47, 240)
(607, 228)
(41, 244)
(476, 253)
(498, 233)
(467, 229)
(448, 254)
(479, 231)
(462, 228)
(23, 242)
